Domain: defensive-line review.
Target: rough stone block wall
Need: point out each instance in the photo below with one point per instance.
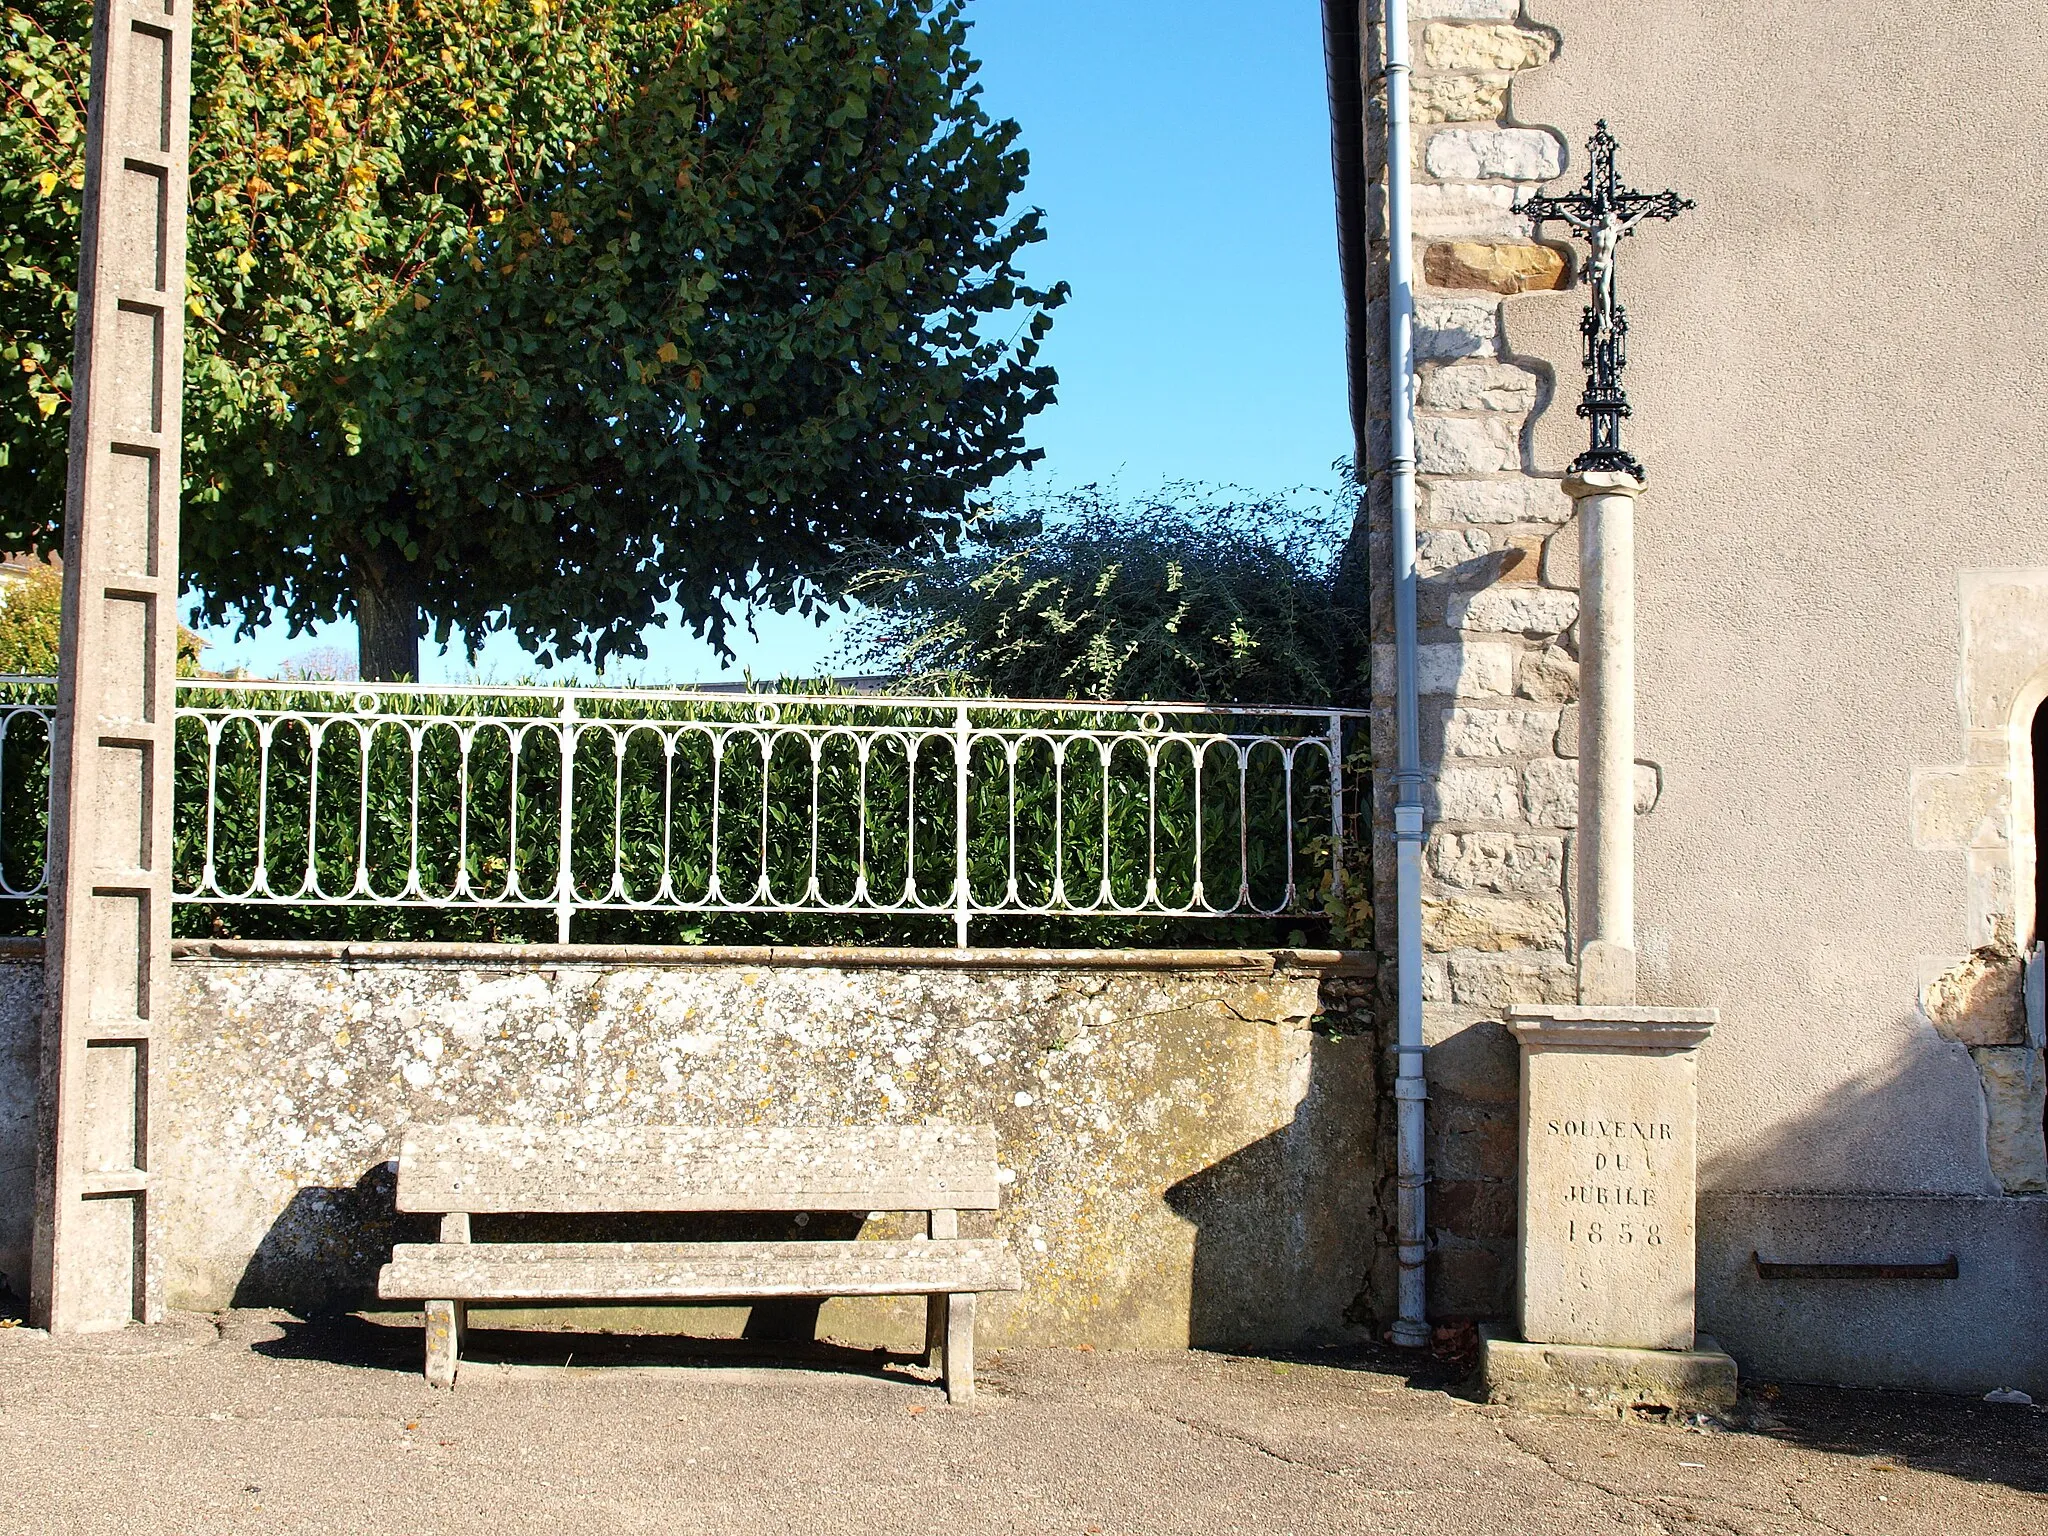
(1497, 607)
(1188, 1141)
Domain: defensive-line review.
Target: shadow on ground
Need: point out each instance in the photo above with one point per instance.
(1964, 1437)
(2005, 1445)
(377, 1344)
(1449, 1364)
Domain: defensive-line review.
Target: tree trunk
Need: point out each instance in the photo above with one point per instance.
(387, 619)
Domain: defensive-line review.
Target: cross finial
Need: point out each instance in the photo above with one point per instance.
(1603, 213)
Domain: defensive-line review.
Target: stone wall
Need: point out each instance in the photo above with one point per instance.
(1981, 808)
(1187, 1138)
(1497, 603)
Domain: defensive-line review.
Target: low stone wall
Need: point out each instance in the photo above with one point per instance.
(1984, 1327)
(1188, 1137)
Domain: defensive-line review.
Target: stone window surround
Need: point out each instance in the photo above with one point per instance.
(1983, 809)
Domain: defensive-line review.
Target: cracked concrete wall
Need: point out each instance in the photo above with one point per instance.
(1188, 1150)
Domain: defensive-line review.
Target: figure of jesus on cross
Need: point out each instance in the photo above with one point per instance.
(1603, 213)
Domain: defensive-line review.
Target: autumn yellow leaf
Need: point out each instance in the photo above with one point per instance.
(47, 404)
(46, 183)
(667, 352)
(420, 301)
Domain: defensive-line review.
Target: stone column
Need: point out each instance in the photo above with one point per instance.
(1610, 1105)
(1605, 500)
(107, 985)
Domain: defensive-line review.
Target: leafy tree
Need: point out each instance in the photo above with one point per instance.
(30, 611)
(1191, 593)
(538, 315)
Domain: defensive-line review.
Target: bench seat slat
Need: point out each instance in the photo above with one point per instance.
(468, 1166)
(693, 1271)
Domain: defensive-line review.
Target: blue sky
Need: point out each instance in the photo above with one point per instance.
(1181, 152)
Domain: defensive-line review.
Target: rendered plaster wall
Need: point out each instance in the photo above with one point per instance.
(1187, 1143)
(1842, 567)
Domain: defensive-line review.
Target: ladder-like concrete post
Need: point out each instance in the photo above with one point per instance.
(107, 986)
(1606, 503)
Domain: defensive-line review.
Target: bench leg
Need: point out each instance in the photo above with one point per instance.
(934, 1332)
(959, 1347)
(446, 1321)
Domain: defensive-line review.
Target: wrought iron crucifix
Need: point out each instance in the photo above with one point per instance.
(1603, 213)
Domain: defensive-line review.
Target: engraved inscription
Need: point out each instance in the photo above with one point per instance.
(1614, 1200)
(1621, 1234)
(146, 122)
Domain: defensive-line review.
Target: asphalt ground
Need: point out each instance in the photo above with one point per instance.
(258, 1422)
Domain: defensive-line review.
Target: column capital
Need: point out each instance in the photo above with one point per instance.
(1603, 482)
(1612, 1027)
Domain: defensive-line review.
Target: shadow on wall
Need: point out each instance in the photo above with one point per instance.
(1904, 1265)
(1286, 1228)
(322, 1254)
(1915, 1123)
(1289, 1221)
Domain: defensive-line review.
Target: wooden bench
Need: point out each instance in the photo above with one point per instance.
(464, 1169)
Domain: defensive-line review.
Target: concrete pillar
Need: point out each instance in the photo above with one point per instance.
(1605, 500)
(107, 988)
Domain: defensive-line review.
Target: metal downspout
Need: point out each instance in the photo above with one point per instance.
(1345, 58)
(1411, 1092)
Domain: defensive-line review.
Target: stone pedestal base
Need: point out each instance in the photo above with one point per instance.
(1599, 1379)
(1609, 1132)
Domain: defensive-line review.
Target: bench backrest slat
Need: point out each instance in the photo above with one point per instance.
(469, 1166)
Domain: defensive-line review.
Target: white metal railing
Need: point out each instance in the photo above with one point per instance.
(641, 800)
(27, 706)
